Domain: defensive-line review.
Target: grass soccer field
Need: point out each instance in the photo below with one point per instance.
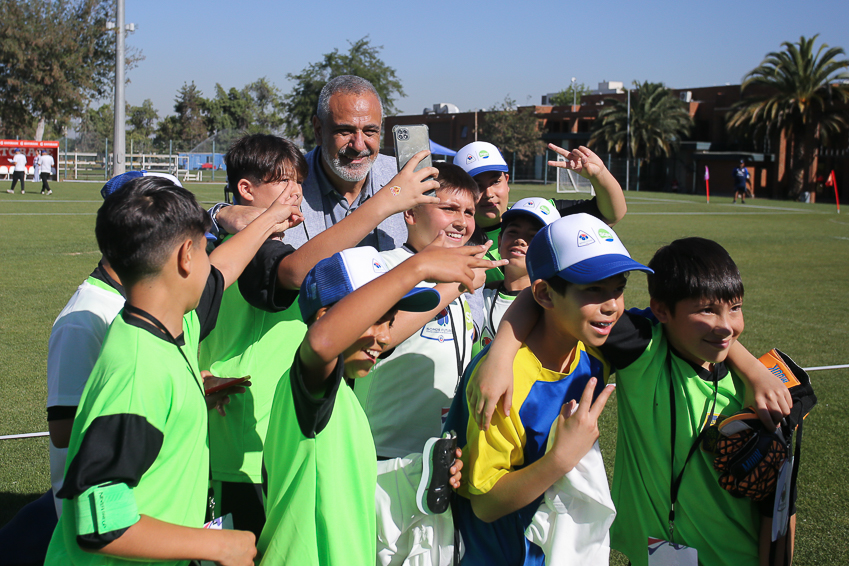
(794, 259)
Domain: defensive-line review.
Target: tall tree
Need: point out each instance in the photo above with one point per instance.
(363, 60)
(268, 106)
(143, 120)
(571, 93)
(659, 120)
(55, 57)
(189, 106)
(794, 91)
(512, 130)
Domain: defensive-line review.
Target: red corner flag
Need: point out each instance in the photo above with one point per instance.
(707, 184)
(832, 182)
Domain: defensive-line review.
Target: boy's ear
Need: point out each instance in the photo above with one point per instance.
(660, 310)
(184, 256)
(244, 189)
(410, 216)
(506, 177)
(542, 293)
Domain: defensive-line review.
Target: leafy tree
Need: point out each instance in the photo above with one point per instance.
(268, 106)
(658, 122)
(568, 94)
(96, 125)
(189, 106)
(143, 121)
(229, 110)
(362, 60)
(796, 91)
(512, 130)
(55, 57)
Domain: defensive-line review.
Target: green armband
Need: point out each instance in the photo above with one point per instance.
(105, 508)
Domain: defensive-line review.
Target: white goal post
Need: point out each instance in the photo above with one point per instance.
(570, 182)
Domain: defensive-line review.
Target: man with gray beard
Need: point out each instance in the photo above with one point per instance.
(345, 169)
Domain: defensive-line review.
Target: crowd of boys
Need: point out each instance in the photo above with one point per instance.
(362, 316)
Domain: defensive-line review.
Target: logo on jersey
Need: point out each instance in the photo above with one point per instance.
(584, 239)
(439, 328)
(376, 265)
(605, 235)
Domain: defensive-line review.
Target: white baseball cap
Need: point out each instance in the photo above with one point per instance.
(344, 272)
(579, 248)
(538, 208)
(479, 157)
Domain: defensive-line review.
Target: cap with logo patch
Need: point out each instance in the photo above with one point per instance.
(535, 207)
(344, 272)
(579, 248)
(479, 157)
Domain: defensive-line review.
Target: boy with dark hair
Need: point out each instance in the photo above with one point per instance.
(320, 461)
(484, 162)
(578, 268)
(264, 324)
(519, 225)
(410, 389)
(135, 485)
(673, 383)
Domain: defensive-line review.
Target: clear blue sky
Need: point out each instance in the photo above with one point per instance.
(470, 54)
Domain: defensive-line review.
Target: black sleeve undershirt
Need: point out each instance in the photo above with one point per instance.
(314, 413)
(588, 206)
(629, 338)
(210, 301)
(258, 283)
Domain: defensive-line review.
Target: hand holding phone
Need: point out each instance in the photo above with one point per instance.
(409, 140)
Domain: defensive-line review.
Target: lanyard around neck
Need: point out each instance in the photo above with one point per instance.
(675, 484)
(135, 311)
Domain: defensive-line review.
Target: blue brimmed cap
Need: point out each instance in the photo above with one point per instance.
(479, 157)
(342, 273)
(118, 181)
(539, 209)
(579, 248)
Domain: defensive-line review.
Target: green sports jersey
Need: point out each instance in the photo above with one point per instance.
(256, 342)
(145, 407)
(139, 441)
(321, 476)
(494, 274)
(723, 529)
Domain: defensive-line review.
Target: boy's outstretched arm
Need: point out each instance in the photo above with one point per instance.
(231, 257)
(403, 192)
(152, 539)
(408, 323)
(348, 319)
(764, 391)
(577, 431)
(608, 192)
(493, 381)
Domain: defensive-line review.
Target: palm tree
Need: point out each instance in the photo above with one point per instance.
(795, 92)
(658, 122)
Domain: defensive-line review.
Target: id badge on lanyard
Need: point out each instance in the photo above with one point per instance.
(665, 553)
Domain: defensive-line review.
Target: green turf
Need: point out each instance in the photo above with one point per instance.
(794, 259)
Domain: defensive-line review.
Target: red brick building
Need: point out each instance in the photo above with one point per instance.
(709, 144)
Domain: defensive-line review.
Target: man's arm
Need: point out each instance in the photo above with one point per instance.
(609, 195)
(403, 192)
(577, 431)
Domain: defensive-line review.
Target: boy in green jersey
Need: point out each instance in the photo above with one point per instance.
(320, 463)
(136, 479)
(484, 163)
(673, 367)
(264, 326)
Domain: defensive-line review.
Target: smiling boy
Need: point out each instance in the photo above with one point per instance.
(578, 268)
(411, 387)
